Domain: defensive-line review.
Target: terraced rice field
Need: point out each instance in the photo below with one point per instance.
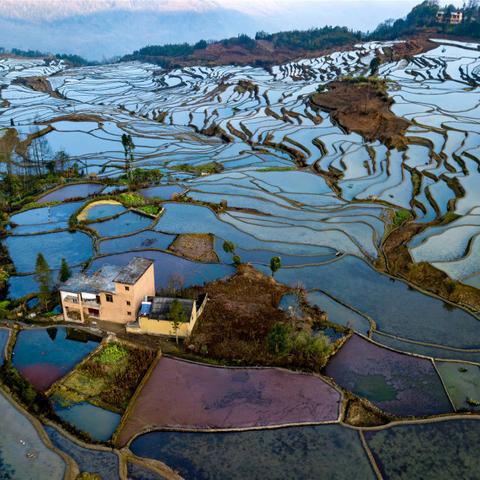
(292, 184)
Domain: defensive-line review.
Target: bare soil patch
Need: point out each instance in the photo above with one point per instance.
(39, 84)
(360, 413)
(241, 317)
(240, 312)
(199, 247)
(363, 106)
(409, 48)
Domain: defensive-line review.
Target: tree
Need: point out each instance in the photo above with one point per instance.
(65, 272)
(43, 276)
(39, 152)
(201, 45)
(177, 316)
(62, 160)
(374, 65)
(128, 147)
(228, 247)
(279, 339)
(275, 264)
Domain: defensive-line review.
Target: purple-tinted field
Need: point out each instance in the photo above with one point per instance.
(397, 383)
(190, 396)
(43, 356)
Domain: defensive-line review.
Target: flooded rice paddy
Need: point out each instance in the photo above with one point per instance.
(305, 452)
(97, 422)
(397, 383)
(437, 450)
(104, 463)
(292, 184)
(44, 355)
(23, 453)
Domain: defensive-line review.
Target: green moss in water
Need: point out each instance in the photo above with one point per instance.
(374, 387)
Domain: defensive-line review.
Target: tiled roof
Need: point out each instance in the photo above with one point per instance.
(100, 281)
(104, 279)
(133, 271)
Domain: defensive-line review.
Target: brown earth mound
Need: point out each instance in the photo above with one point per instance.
(360, 413)
(195, 246)
(406, 49)
(240, 312)
(40, 84)
(363, 106)
(74, 117)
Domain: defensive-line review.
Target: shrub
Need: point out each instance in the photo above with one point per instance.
(228, 246)
(401, 216)
(34, 401)
(112, 353)
(143, 175)
(150, 209)
(131, 199)
(206, 168)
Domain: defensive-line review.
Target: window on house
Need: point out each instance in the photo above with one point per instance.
(127, 288)
(109, 298)
(98, 299)
(129, 313)
(128, 302)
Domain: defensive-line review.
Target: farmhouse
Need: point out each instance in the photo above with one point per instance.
(112, 294)
(126, 295)
(453, 18)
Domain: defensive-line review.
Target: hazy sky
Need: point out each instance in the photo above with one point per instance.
(106, 28)
(55, 9)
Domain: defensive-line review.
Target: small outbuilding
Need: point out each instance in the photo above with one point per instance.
(155, 318)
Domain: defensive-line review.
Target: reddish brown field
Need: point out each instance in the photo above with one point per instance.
(364, 108)
(184, 395)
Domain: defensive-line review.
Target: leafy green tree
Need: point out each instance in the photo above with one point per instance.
(201, 45)
(128, 148)
(374, 65)
(279, 339)
(4, 276)
(228, 247)
(4, 311)
(275, 264)
(311, 350)
(62, 160)
(43, 276)
(65, 272)
(177, 316)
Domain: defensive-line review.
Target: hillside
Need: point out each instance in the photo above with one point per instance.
(264, 50)
(270, 49)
